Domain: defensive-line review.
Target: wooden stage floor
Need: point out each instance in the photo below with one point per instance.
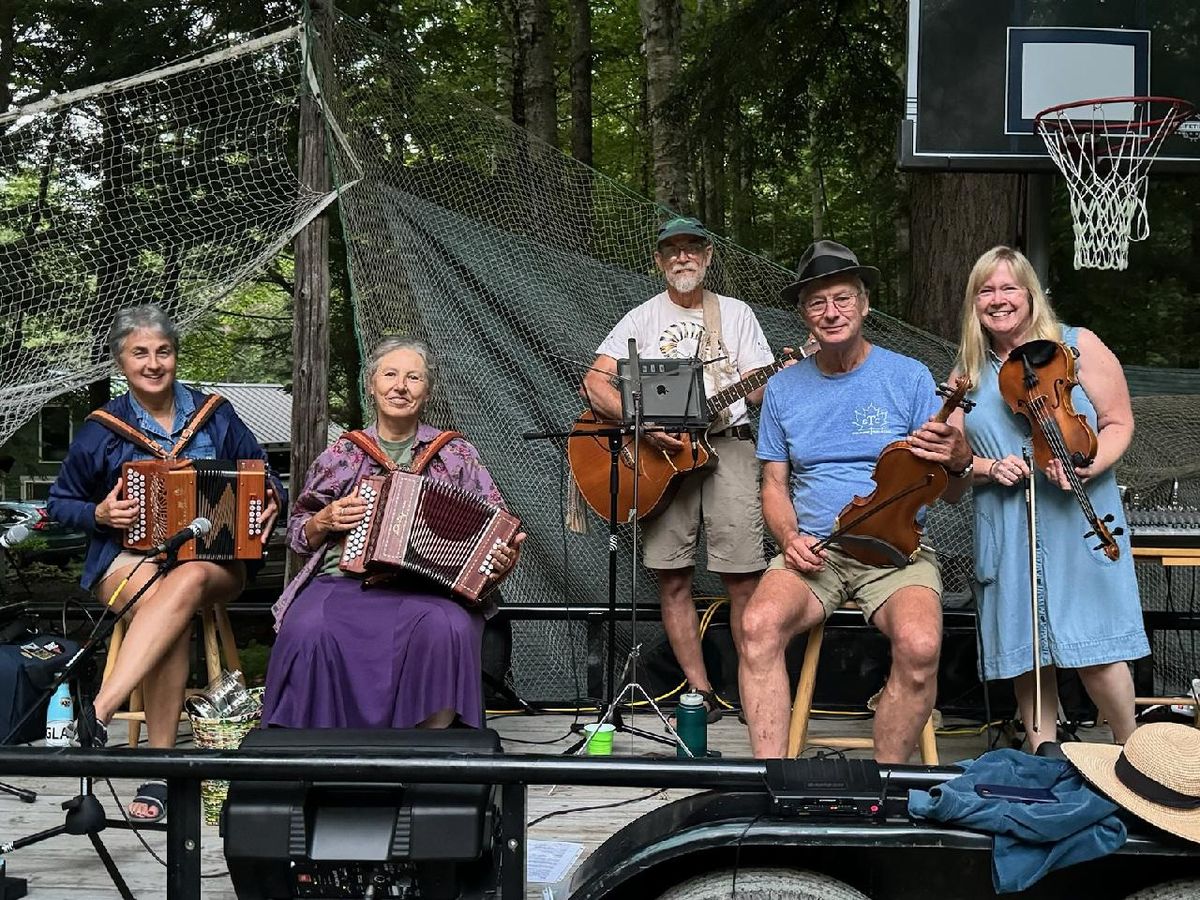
(67, 868)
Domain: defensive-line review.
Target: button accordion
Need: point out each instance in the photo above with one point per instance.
(171, 493)
(430, 529)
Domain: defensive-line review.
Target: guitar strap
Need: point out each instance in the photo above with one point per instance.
(716, 348)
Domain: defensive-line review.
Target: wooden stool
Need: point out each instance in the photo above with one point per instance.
(802, 707)
(217, 632)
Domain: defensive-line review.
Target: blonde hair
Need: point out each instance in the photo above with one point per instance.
(973, 343)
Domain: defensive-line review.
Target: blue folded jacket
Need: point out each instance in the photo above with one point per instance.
(1031, 839)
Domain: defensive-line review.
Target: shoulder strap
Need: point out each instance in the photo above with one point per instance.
(199, 418)
(426, 457)
(123, 429)
(363, 441)
(716, 348)
(712, 320)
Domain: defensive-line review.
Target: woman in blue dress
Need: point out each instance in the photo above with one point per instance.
(1089, 611)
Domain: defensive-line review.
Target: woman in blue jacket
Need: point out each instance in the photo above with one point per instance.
(88, 494)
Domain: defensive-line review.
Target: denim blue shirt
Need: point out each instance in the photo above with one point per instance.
(200, 446)
(1031, 839)
(94, 460)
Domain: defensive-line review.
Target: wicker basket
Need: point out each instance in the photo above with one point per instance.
(222, 734)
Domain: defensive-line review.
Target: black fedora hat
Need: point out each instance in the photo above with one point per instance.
(825, 258)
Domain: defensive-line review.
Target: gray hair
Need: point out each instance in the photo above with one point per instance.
(147, 316)
(399, 342)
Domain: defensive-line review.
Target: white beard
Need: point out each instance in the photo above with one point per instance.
(686, 282)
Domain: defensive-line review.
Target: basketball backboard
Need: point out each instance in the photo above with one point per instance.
(980, 70)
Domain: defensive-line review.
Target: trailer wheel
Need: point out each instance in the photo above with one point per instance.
(1180, 889)
(765, 884)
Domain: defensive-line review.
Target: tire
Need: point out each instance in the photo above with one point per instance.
(766, 884)
(1180, 889)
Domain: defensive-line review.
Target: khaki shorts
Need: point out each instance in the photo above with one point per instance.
(845, 578)
(729, 502)
(124, 558)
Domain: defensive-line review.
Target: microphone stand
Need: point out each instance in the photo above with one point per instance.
(85, 815)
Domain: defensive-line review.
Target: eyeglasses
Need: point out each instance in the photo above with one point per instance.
(691, 248)
(1007, 291)
(842, 302)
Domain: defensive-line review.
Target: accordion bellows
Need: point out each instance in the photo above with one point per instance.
(440, 532)
(171, 493)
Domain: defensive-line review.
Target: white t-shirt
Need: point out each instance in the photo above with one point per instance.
(664, 330)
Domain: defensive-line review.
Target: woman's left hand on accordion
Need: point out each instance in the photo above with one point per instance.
(505, 557)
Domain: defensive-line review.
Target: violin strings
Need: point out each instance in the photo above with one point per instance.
(1057, 442)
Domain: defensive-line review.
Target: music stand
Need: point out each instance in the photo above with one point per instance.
(676, 387)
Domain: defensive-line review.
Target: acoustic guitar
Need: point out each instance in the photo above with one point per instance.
(659, 473)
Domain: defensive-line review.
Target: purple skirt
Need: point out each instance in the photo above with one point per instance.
(379, 658)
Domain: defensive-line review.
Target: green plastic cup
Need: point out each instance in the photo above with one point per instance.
(599, 738)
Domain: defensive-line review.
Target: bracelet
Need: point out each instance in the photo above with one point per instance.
(992, 470)
(966, 471)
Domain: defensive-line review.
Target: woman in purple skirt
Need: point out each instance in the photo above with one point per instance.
(384, 656)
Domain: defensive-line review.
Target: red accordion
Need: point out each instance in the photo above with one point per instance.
(171, 493)
(435, 530)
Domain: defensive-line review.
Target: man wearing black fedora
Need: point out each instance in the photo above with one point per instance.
(686, 321)
(824, 423)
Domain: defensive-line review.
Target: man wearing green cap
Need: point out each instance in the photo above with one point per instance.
(683, 322)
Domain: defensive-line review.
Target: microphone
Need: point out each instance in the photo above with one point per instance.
(171, 545)
(13, 536)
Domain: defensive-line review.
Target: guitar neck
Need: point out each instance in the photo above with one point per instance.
(724, 399)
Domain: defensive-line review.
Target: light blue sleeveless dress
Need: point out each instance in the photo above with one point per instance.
(1089, 611)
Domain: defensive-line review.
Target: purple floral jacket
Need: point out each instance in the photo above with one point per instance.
(335, 473)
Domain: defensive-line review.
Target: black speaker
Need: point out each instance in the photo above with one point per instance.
(287, 839)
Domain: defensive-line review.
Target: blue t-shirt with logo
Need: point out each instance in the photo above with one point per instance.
(832, 428)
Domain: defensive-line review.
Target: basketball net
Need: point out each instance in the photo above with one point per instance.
(1104, 149)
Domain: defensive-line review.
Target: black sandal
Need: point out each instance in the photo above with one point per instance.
(86, 730)
(715, 711)
(154, 795)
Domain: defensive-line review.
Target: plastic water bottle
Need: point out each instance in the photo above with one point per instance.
(59, 714)
(691, 722)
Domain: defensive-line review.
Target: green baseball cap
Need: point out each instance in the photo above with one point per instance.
(682, 225)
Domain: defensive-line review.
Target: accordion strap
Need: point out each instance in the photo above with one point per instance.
(364, 442)
(140, 439)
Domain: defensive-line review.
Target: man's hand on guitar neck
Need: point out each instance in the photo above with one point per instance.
(664, 441)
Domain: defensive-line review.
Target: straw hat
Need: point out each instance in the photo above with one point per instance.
(1156, 776)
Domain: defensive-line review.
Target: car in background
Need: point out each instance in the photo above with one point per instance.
(49, 540)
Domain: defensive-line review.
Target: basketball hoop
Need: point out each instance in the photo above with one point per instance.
(1104, 149)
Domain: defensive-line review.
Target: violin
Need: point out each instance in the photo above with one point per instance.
(1036, 383)
(881, 529)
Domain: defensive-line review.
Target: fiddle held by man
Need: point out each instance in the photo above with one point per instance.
(1089, 611)
(825, 422)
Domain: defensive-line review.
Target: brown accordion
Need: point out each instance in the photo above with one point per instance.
(431, 529)
(171, 493)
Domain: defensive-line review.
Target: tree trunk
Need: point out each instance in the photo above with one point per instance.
(954, 219)
(712, 150)
(742, 159)
(581, 80)
(310, 326)
(661, 27)
(537, 39)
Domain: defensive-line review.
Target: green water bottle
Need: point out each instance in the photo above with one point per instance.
(691, 721)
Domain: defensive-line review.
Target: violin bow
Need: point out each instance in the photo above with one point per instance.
(1031, 505)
